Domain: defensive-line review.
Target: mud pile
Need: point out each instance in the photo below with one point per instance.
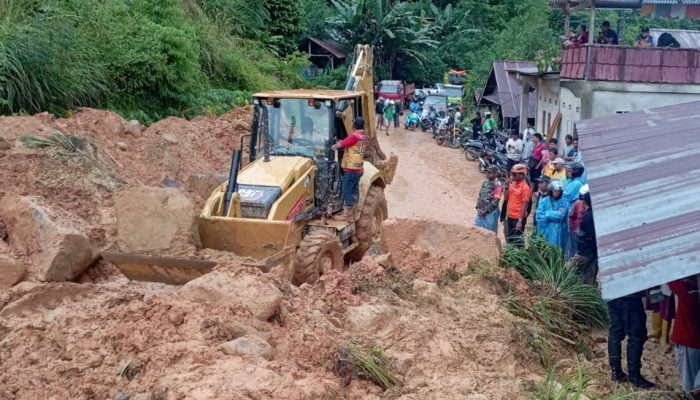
(118, 154)
(238, 334)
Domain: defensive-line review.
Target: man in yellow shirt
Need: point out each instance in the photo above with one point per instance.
(555, 169)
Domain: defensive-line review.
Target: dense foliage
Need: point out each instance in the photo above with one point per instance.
(152, 58)
(143, 58)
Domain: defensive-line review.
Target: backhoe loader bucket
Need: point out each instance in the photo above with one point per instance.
(173, 271)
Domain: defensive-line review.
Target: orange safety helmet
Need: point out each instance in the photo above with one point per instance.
(519, 169)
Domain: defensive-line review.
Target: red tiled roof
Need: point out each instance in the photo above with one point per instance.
(632, 64)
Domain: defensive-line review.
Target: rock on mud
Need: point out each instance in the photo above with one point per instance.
(5, 144)
(204, 184)
(221, 288)
(12, 270)
(151, 219)
(55, 251)
(249, 346)
(367, 317)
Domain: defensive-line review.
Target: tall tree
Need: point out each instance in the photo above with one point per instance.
(286, 23)
(392, 27)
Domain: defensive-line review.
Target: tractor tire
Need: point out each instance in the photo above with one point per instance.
(368, 228)
(318, 253)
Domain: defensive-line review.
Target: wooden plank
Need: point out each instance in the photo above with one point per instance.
(553, 128)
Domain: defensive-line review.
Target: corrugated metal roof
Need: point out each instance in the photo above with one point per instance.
(687, 39)
(507, 90)
(631, 64)
(329, 46)
(644, 174)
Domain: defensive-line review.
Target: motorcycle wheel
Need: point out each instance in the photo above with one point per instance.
(440, 140)
(471, 154)
(482, 168)
(455, 143)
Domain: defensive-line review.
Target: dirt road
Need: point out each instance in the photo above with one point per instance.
(432, 182)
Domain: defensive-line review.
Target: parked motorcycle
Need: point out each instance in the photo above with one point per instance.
(490, 157)
(453, 136)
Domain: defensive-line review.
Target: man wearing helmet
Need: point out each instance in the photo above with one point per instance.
(489, 124)
(552, 213)
(389, 111)
(352, 166)
(517, 198)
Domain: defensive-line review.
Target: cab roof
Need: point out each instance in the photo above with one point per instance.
(319, 94)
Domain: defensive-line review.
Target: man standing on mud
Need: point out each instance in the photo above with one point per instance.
(517, 196)
(352, 166)
(487, 203)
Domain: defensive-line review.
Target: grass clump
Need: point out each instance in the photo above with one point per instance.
(562, 304)
(370, 364)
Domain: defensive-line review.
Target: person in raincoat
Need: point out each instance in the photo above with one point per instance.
(553, 214)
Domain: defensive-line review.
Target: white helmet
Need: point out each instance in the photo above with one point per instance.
(391, 102)
(555, 185)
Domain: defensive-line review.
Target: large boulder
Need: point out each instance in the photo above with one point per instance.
(54, 250)
(152, 219)
(249, 346)
(262, 299)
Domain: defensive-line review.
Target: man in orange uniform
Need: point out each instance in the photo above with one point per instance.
(517, 195)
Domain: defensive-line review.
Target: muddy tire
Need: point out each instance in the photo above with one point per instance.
(440, 140)
(368, 228)
(318, 253)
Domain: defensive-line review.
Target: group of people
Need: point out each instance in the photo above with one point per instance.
(388, 112)
(609, 36)
(551, 188)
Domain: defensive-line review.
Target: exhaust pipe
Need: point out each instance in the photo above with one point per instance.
(232, 180)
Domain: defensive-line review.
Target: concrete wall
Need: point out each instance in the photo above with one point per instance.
(570, 112)
(547, 105)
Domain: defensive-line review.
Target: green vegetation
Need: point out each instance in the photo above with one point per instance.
(151, 58)
(577, 384)
(370, 364)
(143, 58)
(564, 306)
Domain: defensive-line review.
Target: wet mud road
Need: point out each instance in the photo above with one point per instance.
(432, 182)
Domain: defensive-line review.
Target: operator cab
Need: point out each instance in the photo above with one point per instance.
(300, 122)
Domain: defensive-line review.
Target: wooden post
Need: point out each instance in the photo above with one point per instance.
(567, 18)
(591, 25)
(620, 25)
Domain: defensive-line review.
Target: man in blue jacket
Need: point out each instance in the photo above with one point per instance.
(553, 214)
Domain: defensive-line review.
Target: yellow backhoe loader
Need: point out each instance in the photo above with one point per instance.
(280, 209)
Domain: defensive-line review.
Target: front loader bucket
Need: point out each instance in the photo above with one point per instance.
(173, 271)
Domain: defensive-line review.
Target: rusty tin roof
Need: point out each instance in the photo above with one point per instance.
(644, 174)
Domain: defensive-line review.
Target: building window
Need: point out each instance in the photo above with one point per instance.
(578, 109)
(549, 123)
(555, 102)
(550, 100)
(569, 106)
(563, 104)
